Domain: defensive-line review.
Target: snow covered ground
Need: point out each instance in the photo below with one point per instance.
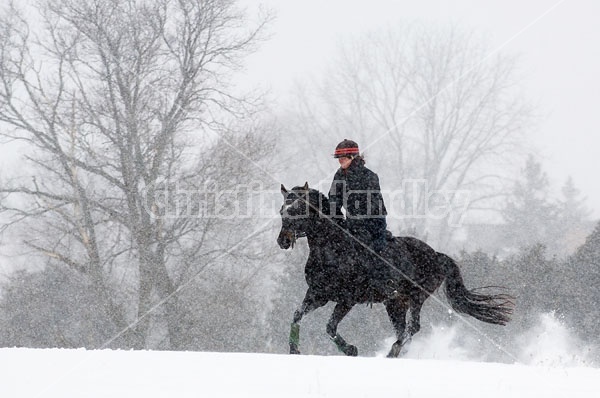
(80, 373)
(550, 364)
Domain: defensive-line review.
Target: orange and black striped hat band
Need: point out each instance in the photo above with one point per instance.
(346, 151)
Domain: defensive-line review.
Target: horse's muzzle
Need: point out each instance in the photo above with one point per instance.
(286, 239)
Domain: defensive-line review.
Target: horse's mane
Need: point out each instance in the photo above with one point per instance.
(322, 201)
(316, 199)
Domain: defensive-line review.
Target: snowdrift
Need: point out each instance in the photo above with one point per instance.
(149, 374)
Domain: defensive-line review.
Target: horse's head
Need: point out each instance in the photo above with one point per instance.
(300, 207)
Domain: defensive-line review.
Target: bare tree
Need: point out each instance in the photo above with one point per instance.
(435, 110)
(115, 101)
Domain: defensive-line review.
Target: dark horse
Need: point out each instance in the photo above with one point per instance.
(333, 273)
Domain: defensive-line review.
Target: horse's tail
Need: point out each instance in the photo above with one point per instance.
(496, 308)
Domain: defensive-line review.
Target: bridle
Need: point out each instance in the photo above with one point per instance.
(293, 235)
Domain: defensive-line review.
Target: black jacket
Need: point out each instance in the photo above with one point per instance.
(357, 190)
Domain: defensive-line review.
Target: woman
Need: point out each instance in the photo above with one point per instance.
(356, 189)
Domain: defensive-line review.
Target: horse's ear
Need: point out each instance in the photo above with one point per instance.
(284, 191)
(305, 187)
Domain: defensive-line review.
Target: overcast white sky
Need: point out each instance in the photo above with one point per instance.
(558, 44)
(557, 41)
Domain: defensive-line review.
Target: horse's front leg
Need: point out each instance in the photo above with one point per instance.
(396, 310)
(310, 303)
(339, 312)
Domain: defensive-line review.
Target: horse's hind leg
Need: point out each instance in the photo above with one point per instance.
(414, 319)
(339, 312)
(310, 303)
(396, 310)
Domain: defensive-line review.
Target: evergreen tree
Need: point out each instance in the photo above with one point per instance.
(589, 252)
(572, 206)
(573, 218)
(534, 283)
(581, 281)
(529, 213)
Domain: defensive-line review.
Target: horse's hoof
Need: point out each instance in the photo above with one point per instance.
(395, 351)
(344, 347)
(400, 347)
(294, 350)
(351, 351)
